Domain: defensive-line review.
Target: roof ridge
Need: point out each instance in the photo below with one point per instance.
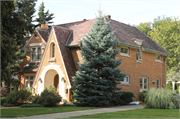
(63, 27)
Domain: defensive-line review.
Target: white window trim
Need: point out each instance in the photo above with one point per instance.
(141, 90)
(125, 54)
(35, 44)
(28, 81)
(159, 82)
(158, 60)
(125, 83)
(36, 52)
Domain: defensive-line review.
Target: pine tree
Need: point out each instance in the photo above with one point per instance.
(16, 23)
(44, 16)
(96, 81)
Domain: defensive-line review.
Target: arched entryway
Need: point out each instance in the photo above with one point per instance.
(56, 83)
(49, 78)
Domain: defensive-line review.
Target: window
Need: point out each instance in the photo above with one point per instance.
(158, 58)
(125, 80)
(36, 54)
(143, 84)
(125, 52)
(139, 58)
(52, 50)
(29, 81)
(158, 83)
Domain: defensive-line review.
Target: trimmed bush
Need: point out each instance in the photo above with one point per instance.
(20, 96)
(47, 98)
(122, 98)
(160, 99)
(8, 105)
(127, 97)
(3, 100)
(68, 104)
(143, 95)
(31, 105)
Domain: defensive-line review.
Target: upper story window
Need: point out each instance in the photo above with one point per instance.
(36, 54)
(125, 52)
(52, 50)
(36, 51)
(125, 81)
(138, 57)
(158, 58)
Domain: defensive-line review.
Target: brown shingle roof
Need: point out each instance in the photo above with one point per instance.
(124, 34)
(44, 33)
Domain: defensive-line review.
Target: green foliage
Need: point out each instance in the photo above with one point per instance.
(165, 32)
(31, 105)
(8, 105)
(127, 97)
(96, 81)
(20, 96)
(143, 95)
(44, 16)
(117, 99)
(16, 24)
(169, 85)
(48, 97)
(160, 99)
(3, 100)
(68, 104)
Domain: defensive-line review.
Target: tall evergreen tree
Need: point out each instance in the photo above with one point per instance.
(96, 81)
(44, 16)
(16, 23)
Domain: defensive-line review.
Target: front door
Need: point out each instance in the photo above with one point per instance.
(56, 83)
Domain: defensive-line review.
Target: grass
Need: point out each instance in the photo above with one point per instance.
(137, 113)
(20, 112)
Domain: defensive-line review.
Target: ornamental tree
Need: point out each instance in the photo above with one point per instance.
(96, 81)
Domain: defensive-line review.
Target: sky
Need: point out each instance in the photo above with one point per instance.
(125, 11)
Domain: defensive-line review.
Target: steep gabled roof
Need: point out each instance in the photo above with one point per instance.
(44, 33)
(62, 35)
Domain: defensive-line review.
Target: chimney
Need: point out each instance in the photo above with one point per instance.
(107, 16)
(44, 26)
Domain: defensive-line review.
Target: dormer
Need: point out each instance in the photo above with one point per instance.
(138, 41)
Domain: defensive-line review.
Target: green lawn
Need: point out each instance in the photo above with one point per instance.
(137, 113)
(20, 112)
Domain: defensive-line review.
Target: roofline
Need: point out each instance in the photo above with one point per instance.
(69, 37)
(146, 49)
(73, 45)
(134, 46)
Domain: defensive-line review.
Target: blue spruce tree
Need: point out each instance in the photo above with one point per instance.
(96, 81)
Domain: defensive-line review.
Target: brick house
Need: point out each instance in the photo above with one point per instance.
(56, 53)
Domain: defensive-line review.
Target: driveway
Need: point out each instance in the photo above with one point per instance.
(82, 112)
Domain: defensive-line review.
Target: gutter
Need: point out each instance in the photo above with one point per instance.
(157, 51)
(164, 72)
(128, 45)
(73, 45)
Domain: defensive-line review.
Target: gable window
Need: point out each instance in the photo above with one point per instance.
(138, 57)
(158, 83)
(125, 52)
(29, 81)
(143, 84)
(52, 50)
(125, 81)
(158, 58)
(36, 51)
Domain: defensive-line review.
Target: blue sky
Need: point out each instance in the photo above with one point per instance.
(126, 11)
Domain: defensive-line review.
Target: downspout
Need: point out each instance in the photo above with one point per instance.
(164, 85)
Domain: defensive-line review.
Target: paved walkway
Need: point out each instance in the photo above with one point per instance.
(81, 112)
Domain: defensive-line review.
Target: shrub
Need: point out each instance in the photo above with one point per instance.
(35, 99)
(68, 104)
(31, 105)
(3, 100)
(8, 105)
(143, 95)
(160, 99)
(48, 97)
(122, 98)
(127, 97)
(15, 97)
